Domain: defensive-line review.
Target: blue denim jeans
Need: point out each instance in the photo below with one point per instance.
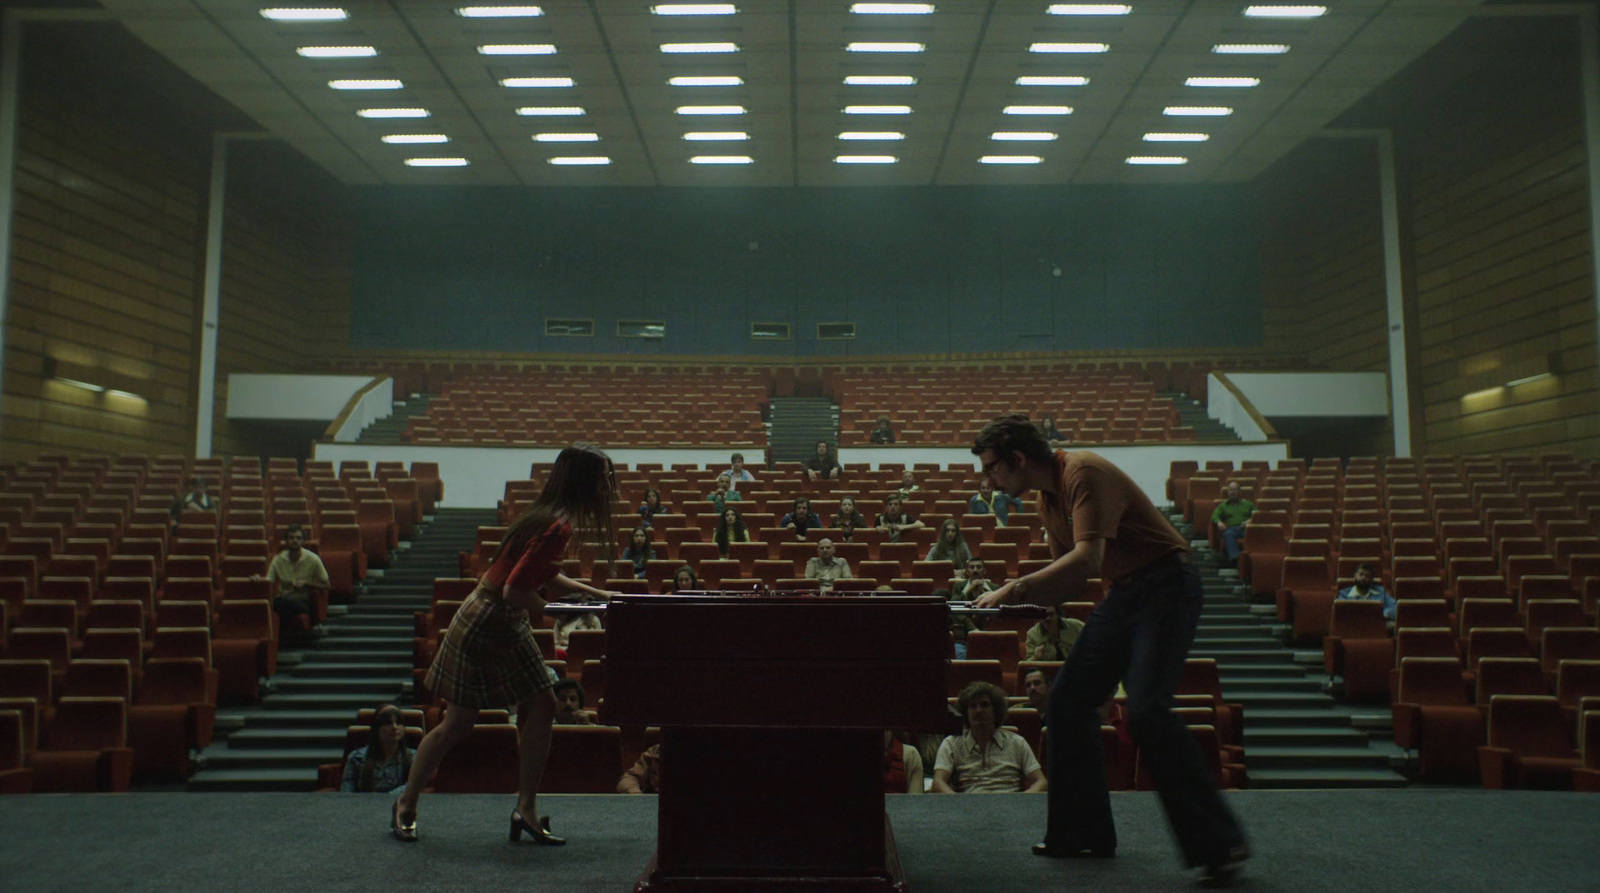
(1231, 537)
(1140, 634)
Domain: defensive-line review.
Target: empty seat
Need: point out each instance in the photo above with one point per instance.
(85, 747)
(583, 760)
(1433, 716)
(243, 648)
(172, 715)
(1358, 647)
(1530, 744)
(486, 762)
(15, 777)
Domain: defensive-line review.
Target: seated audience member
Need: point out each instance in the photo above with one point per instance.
(1230, 517)
(569, 704)
(952, 547)
(1047, 427)
(566, 623)
(737, 474)
(1052, 637)
(297, 573)
(908, 484)
(730, 530)
(902, 767)
(1366, 588)
(847, 529)
(684, 580)
(1037, 688)
(960, 626)
(724, 493)
(644, 777)
(882, 433)
(639, 551)
(822, 466)
(198, 497)
(976, 583)
(825, 568)
(985, 758)
(894, 520)
(801, 517)
(848, 510)
(652, 507)
(989, 501)
(380, 767)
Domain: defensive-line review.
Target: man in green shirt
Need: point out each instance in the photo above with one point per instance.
(1230, 517)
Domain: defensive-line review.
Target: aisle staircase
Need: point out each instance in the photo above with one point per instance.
(1192, 414)
(365, 660)
(388, 430)
(1295, 734)
(797, 424)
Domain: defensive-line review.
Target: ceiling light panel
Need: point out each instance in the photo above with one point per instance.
(412, 139)
(880, 46)
(566, 137)
(1168, 137)
(707, 81)
(871, 135)
(1048, 47)
(1037, 110)
(1285, 12)
(1010, 159)
(1089, 9)
(865, 159)
(499, 12)
(892, 8)
(1222, 82)
(517, 49)
(580, 160)
(393, 113)
(1156, 159)
(1022, 136)
(721, 159)
(879, 80)
(1197, 111)
(551, 111)
(694, 9)
(537, 83)
(1250, 49)
(705, 47)
(1036, 80)
(337, 52)
(716, 136)
(876, 110)
(292, 14)
(436, 162)
(366, 84)
(711, 110)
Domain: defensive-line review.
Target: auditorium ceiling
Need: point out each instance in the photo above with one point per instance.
(583, 93)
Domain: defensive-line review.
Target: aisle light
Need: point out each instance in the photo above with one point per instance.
(566, 137)
(1200, 111)
(1009, 159)
(865, 159)
(551, 111)
(1016, 136)
(1156, 159)
(721, 159)
(1036, 110)
(392, 113)
(1176, 137)
(711, 110)
(871, 135)
(580, 160)
(876, 110)
(712, 136)
(879, 46)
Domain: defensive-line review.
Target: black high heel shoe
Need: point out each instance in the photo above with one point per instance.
(402, 829)
(540, 833)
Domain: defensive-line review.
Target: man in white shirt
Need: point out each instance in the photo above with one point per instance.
(986, 759)
(825, 568)
(737, 474)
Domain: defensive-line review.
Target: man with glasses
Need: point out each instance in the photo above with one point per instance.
(1102, 525)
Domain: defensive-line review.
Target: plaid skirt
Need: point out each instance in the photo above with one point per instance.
(488, 657)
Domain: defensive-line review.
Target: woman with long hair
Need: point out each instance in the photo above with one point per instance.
(951, 546)
(640, 551)
(684, 580)
(652, 507)
(489, 657)
(848, 510)
(730, 530)
(382, 765)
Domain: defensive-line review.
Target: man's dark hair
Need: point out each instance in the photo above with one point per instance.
(293, 528)
(995, 694)
(736, 457)
(1012, 434)
(1368, 567)
(565, 685)
(1031, 671)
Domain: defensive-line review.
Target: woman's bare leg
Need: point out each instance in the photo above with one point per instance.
(535, 718)
(454, 728)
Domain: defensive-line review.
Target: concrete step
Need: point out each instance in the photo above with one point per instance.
(367, 686)
(1243, 655)
(320, 738)
(293, 779)
(347, 702)
(302, 758)
(1236, 685)
(393, 654)
(399, 669)
(1258, 700)
(1303, 779)
(1316, 757)
(257, 718)
(1302, 736)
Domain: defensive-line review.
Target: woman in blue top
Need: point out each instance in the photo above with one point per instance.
(800, 517)
(380, 767)
(639, 551)
(652, 507)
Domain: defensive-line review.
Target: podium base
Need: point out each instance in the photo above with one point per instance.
(890, 879)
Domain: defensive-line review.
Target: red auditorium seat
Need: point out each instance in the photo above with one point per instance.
(52, 644)
(1586, 778)
(1530, 744)
(1567, 643)
(584, 760)
(585, 645)
(1358, 647)
(15, 777)
(84, 748)
(95, 678)
(1004, 646)
(171, 716)
(243, 647)
(486, 762)
(1508, 676)
(965, 672)
(1433, 716)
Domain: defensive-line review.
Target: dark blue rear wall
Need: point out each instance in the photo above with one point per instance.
(920, 270)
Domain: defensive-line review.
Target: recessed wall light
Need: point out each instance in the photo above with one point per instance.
(366, 84)
(865, 159)
(1069, 48)
(711, 110)
(537, 82)
(879, 46)
(1036, 80)
(517, 49)
(392, 113)
(876, 110)
(694, 9)
(871, 135)
(1089, 9)
(1009, 159)
(1156, 159)
(1197, 111)
(1176, 137)
(879, 80)
(436, 162)
(566, 137)
(337, 52)
(713, 136)
(290, 14)
(407, 139)
(1221, 82)
(1037, 110)
(721, 159)
(551, 111)
(730, 80)
(499, 12)
(580, 160)
(1285, 12)
(711, 47)
(1251, 49)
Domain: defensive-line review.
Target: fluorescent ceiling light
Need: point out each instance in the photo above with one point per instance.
(1176, 137)
(87, 386)
(1157, 159)
(366, 84)
(566, 137)
(880, 80)
(1285, 12)
(407, 139)
(872, 135)
(711, 109)
(1221, 82)
(1089, 9)
(1037, 110)
(877, 110)
(713, 47)
(393, 113)
(1009, 159)
(892, 9)
(713, 136)
(1251, 49)
(290, 14)
(1198, 111)
(694, 9)
(865, 159)
(537, 82)
(113, 392)
(517, 49)
(498, 12)
(1034, 80)
(1021, 136)
(1069, 48)
(551, 111)
(337, 52)
(879, 46)
(436, 162)
(1530, 379)
(721, 159)
(580, 160)
(730, 80)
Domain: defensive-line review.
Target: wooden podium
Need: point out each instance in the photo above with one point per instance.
(772, 712)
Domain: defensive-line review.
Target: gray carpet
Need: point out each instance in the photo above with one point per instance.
(1337, 841)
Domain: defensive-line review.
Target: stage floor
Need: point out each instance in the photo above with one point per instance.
(1336, 841)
